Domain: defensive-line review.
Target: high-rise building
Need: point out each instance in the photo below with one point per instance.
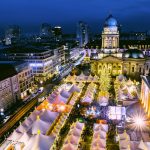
(12, 34)
(82, 34)
(46, 30)
(57, 33)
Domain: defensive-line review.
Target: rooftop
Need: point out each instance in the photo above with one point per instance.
(25, 50)
(7, 70)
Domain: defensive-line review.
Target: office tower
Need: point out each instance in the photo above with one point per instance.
(82, 33)
(46, 30)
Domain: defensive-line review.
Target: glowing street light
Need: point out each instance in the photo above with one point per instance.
(138, 122)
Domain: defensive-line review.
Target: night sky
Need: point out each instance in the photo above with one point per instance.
(29, 14)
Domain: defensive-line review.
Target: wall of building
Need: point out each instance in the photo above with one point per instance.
(9, 92)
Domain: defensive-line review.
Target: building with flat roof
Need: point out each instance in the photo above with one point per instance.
(43, 60)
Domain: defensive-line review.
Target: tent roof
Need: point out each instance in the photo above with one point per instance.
(65, 94)
(39, 125)
(79, 125)
(142, 145)
(24, 138)
(15, 136)
(39, 142)
(22, 128)
(48, 116)
(74, 88)
(69, 146)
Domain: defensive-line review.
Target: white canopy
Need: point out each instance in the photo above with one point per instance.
(65, 94)
(69, 146)
(73, 140)
(39, 126)
(34, 115)
(99, 142)
(79, 125)
(14, 136)
(74, 88)
(24, 138)
(142, 145)
(22, 128)
(39, 142)
(48, 116)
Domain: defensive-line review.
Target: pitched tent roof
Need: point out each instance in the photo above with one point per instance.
(22, 128)
(48, 116)
(69, 146)
(65, 94)
(74, 88)
(39, 125)
(34, 115)
(142, 145)
(39, 142)
(73, 140)
(99, 142)
(14, 136)
(24, 138)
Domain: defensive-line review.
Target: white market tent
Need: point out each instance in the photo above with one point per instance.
(69, 146)
(73, 137)
(116, 112)
(142, 146)
(24, 138)
(99, 136)
(48, 116)
(74, 88)
(15, 136)
(39, 142)
(22, 128)
(39, 126)
(65, 94)
(124, 141)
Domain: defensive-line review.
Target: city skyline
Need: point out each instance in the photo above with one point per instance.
(30, 15)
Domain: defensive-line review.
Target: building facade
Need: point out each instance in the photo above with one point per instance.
(9, 86)
(43, 61)
(131, 62)
(145, 94)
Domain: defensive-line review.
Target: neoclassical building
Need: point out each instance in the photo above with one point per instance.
(117, 61)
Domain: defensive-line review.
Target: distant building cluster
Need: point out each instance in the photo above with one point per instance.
(51, 52)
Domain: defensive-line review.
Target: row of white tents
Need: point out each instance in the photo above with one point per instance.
(31, 134)
(134, 140)
(62, 97)
(72, 140)
(82, 78)
(89, 94)
(99, 137)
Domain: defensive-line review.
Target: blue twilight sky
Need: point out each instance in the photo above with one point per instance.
(29, 14)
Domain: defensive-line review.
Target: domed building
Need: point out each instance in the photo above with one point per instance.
(110, 35)
(133, 53)
(110, 21)
(117, 61)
